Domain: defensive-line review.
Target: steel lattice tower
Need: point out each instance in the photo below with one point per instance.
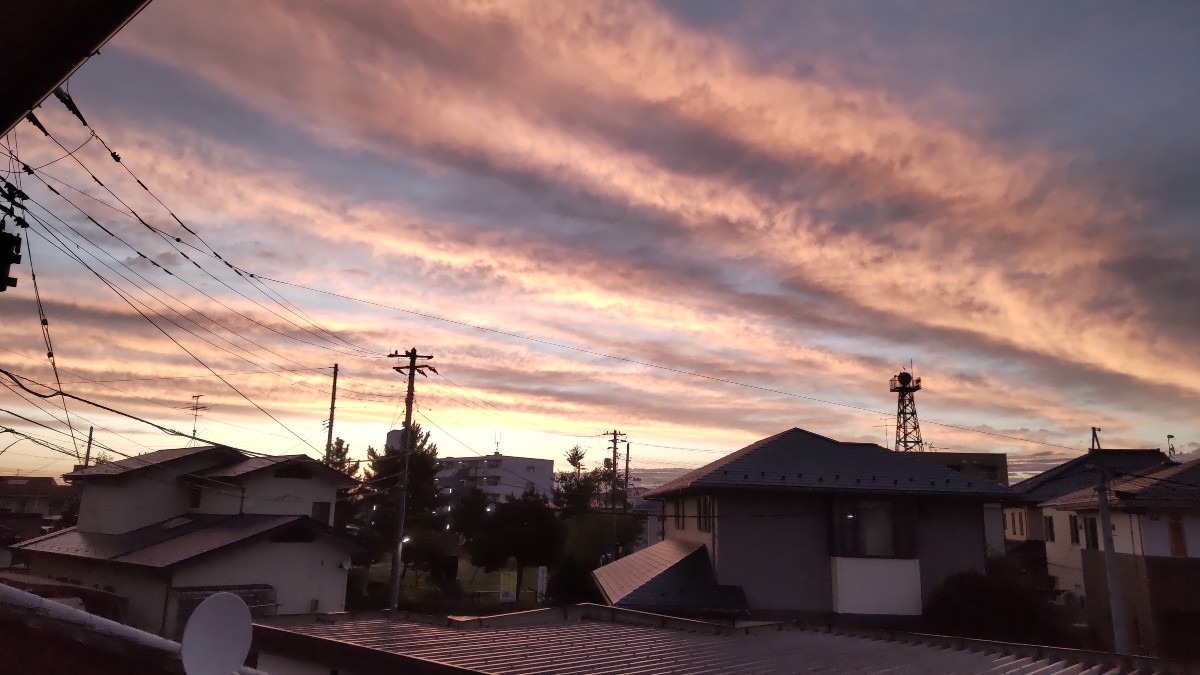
(908, 429)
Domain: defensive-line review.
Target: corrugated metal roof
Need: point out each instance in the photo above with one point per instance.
(1075, 474)
(145, 461)
(801, 460)
(1175, 485)
(162, 544)
(660, 645)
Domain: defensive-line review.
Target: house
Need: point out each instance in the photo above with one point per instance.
(165, 529)
(498, 476)
(1043, 533)
(597, 639)
(1155, 518)
(41, 495)
(800, 525)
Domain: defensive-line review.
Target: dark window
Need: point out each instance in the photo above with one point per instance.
(1073, 526)
(680, 518)
(1091, 534)
(196, 494)
(704, 518)
(1177, 536)
(320, 512)
(1021, 521)
(873, 529)
(1012, 521)
(1049, 524)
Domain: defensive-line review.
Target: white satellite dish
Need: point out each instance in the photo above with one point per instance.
(216, 639)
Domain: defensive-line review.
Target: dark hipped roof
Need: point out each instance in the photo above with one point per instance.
(255, 464)
(1174, 486)
(148, 460)
(801, 460)
(163, 544)
(670, 576)
(1077, 473)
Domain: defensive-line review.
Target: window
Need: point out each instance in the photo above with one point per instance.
(1091, 534)
(873, 529)
(1049, 525)
(197, 493)
(704, 518)
(529, 468)
(320, 512)
(1073, 526)
(294, 471)
(680, 518)
(1021, 521)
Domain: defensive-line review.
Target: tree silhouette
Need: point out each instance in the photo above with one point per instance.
(524, 528)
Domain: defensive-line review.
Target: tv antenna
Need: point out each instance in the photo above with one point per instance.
(1170, 445)
(196, 409)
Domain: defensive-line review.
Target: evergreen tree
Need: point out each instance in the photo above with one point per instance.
(523, 528)
(424, 521)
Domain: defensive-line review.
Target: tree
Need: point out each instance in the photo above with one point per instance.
(102, 457)
(423, 517)
(524, 528)
(339, 458)
(575, 458)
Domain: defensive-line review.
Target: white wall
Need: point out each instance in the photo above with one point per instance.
(144, 591)
(877, 586)
(299, 572)
(1063, 560)
(118, 505)
(266, 494)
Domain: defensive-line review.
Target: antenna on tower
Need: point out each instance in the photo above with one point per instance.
(497, 442)
(1170, 445)
(908, 429)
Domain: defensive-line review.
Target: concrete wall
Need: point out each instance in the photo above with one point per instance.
(117, 505)
(950, 539)
(145, 591)
(889, 586)
(299, 572)
(776, 547)
(264, 493)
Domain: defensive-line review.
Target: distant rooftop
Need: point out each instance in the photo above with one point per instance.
(1175, 485)
(801, 460)
(1076, 474)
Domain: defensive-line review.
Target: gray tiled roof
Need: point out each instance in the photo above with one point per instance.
(253, 464)
(633, 643)
(671, 575)
(162, 544)
(147, 460)
(1076, 474)
(1176, 485)
(801, 460)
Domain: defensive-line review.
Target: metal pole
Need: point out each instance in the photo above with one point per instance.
(332, 403)
(1115, 601)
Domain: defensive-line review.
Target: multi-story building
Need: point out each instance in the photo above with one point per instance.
(498, 476)
(165, 529)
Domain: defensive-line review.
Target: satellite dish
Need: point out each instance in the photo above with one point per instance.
(216, 639)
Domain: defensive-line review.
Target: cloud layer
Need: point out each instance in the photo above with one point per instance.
(675, 186)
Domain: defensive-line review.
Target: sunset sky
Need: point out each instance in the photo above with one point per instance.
(800, 197)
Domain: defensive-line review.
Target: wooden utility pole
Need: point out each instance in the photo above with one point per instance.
(1115, 601)
(410, 441)
(612, 487)
(332, 404)
(625, 501)
(87, 454)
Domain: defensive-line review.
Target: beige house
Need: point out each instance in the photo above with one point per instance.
(165, 529)
(1035, 524)
(800, 525)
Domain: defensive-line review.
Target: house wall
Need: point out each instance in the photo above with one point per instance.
(690, 531)
(993, 528)
(890, 586)
(1063, 560)
(950, 539)
(144, 591)
(118, 505)
(776, 547)
(299, 572)
(266, 494)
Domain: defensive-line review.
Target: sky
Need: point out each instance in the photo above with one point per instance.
(698, 223)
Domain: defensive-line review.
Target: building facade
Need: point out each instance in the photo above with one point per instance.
(166, 529)
(800, 525)
(498, 476)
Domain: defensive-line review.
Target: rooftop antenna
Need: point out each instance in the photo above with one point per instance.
(1170, 445)
(908, 429)
(497, 442)
(196, 409)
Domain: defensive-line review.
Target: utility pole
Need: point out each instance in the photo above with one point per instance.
(332, 403)
(1115, 601)
(87, 454)
(612, 487)
(625, 504)
(402, 482)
